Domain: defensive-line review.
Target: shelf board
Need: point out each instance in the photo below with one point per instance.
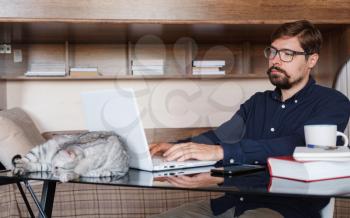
(131, 77)
(121, 33)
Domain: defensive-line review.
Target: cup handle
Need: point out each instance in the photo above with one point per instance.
(346, 140)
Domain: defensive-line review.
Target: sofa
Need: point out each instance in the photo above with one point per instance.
(86, 200)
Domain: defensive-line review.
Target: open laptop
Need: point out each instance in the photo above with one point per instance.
(116, 110)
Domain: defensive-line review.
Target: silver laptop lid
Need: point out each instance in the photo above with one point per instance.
(116, 110)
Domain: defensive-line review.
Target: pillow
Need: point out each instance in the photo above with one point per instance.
(18, 135)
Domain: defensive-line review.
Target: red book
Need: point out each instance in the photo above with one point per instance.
(307, 171)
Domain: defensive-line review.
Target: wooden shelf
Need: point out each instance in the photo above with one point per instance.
(109, 34)
(57, 32)
(176, 11)
(131, 77)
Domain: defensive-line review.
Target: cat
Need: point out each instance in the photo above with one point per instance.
(91, 154)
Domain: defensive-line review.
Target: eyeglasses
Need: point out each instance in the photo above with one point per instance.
(285, 55)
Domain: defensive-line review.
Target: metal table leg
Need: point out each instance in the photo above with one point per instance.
(47, 198)
(24, 197)
(36, 201)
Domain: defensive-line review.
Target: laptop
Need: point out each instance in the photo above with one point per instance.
(117, 110)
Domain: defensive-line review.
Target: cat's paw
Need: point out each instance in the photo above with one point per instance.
(21, 166)
(66, 177)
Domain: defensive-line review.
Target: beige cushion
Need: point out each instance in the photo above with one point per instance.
(18, 134)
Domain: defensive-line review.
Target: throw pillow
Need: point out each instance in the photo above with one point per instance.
(18, 134)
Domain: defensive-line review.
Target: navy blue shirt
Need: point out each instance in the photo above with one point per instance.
(266, 126)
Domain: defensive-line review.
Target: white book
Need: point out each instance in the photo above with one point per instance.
(209, 63)
(45, 73)
(150, 67)
(206, 68)
(147, 62)
(307, 171)
(142, 72)
(324, 187)
(339, 153)
(83, 69)
(209, 72)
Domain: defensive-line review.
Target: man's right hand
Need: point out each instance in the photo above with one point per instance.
(159, 148)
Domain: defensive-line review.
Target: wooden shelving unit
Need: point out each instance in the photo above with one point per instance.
(109, 34)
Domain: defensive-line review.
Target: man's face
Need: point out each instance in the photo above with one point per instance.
(285, 75)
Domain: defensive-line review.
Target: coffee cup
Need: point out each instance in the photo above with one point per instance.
(323, 135)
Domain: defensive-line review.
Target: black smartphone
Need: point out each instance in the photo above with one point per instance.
(236, 170)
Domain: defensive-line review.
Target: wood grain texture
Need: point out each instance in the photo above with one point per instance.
(178, 11)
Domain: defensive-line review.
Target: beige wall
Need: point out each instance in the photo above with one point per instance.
(56, 105)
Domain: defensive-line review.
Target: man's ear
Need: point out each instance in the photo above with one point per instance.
(312, 60)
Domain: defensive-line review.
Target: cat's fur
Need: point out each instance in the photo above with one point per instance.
(91, 154)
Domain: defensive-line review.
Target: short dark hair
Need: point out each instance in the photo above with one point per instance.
(310, 38)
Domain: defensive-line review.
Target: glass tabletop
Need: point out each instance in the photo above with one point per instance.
(202, 179)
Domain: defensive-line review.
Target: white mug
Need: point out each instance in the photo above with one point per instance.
(323, 135)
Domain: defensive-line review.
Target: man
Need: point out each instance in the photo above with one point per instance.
(270, 123)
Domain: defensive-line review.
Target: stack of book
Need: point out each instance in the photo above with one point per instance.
(208, 67)
(312, 164)
(46, 70)
(147, 67)
(83, 71)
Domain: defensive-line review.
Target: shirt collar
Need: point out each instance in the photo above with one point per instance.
(276, 94)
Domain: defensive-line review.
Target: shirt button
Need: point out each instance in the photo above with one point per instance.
(256, 162)
(272, 129)
(296, 101)
(283, 106)
(241, 199)
(232, 160)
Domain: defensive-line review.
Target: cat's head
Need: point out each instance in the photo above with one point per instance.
(66, 159)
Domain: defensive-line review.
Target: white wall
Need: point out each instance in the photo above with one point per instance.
(56, 105)
(343, 84)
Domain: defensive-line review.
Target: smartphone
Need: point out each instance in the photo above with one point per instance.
(236, 170)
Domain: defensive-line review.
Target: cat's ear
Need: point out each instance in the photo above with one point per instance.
(16, 157)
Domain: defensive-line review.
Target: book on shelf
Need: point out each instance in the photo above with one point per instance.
(323, 187)
(208, 63)
(208, 72)
(206, 68)
(147, 62)
(45, 73)
(46, 69)
(147, 72)
(307, 171)
(150, 67)
(83, 71)
(338, 153)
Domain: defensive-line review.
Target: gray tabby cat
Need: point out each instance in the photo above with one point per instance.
(91, 154)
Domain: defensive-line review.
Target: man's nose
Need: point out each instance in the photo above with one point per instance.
(276, 61)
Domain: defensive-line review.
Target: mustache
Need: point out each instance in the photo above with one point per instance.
(277, 69)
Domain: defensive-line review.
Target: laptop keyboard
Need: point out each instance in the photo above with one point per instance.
(157, 160)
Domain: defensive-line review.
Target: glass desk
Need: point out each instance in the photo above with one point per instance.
(195, 179)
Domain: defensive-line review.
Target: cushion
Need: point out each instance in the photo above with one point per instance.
(18, 134)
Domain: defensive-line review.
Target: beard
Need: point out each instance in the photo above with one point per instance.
(279, 80)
